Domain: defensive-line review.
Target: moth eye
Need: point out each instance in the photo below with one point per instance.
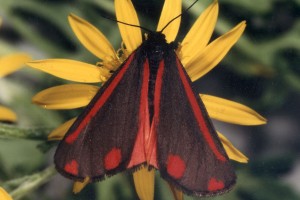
(112, 159)
(175, 166)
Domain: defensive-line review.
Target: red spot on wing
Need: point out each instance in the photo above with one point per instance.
(112, 159)
(175, 166)
(105, 95)
(198, 114)
(215, 184)
(72, 167)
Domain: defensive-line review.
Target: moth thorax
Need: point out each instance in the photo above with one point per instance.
(155, 45)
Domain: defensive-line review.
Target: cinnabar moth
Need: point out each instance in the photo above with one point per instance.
(148, 113)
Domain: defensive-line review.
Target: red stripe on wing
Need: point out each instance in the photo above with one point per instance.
(146, 141)
(157, 92)
(152, 142)
(197, 112)
(106, 94)
(138, 155)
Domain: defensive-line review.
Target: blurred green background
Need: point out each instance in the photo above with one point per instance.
(261, 71)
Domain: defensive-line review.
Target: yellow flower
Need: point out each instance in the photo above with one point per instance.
(4, 195)
(9, 64)
(197, 55)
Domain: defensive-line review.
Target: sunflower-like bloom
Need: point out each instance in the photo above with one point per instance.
(9, 64)
(4, 195)
(197, 55)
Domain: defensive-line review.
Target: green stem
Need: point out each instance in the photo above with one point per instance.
(13, 132)
(30, 183)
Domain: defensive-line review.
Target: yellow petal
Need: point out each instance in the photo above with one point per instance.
(171, 9)
(59, 132)
(232, 152)
(67, 96)
(7, 114)
(178, 195)
(4, 195)
(13, 62)
(230, 111)
(144, 183)
(78, 186)
(125, 12)
(214, 53)
(92, 38)
(200, 33)
(71, 70)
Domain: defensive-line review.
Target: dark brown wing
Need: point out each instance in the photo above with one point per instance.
(101, 141)
(189, 153)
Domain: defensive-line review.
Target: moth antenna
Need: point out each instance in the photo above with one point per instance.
(146, 29)
(133, 25)
(178, 16)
